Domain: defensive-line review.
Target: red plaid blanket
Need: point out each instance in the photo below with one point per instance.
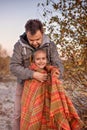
(46, 106)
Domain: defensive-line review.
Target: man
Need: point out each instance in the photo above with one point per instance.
(31, 40)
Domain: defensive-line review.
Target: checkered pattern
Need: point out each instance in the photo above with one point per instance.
(46, 106)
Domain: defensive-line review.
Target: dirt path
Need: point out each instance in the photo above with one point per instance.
(7, 91)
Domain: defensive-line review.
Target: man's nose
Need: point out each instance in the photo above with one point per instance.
(34, 42)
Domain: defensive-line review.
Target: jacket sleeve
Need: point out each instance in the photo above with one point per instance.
(55, 60)
(16, 64)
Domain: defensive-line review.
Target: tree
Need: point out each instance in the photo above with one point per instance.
(4, 62)
(3, 52)
(66, 22)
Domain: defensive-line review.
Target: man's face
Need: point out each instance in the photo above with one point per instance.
(40, 59)
(36, 39)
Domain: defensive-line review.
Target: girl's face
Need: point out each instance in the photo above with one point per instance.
(40, 59)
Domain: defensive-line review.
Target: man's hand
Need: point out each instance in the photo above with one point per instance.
(55, 73)
(39, 76)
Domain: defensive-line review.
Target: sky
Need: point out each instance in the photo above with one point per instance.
(13, 16)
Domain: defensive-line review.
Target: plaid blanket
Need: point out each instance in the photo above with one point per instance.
(46, 106)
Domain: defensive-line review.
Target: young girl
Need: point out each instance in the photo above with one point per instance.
(45, 105)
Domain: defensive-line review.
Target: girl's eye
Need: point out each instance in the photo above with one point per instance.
(37, 59)
(44, 58)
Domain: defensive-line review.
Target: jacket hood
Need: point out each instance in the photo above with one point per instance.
(24, 41)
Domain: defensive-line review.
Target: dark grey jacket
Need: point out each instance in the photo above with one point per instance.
(21, 57)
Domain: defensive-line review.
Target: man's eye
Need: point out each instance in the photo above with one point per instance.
(31, 41)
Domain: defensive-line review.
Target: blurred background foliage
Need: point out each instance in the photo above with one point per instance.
(4, 62)
(66, 23)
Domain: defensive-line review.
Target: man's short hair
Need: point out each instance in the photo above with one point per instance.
(33, 25)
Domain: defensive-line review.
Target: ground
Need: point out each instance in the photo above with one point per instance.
(7, 97)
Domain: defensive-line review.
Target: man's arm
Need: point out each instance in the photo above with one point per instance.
(16, 65)
(55, 60)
